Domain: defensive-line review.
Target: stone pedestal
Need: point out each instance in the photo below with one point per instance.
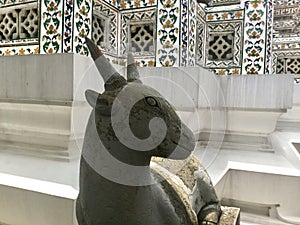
(43, 114)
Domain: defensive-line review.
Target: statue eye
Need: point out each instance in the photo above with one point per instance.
(151, 101)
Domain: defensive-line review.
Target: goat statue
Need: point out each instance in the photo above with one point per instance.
(117, 184)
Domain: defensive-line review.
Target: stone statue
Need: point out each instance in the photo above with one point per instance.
(130, 123)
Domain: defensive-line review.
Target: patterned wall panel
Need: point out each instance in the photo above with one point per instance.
(269, 38)
(19, 28)
(255, 36)
(51, 26)
(184, 31)
(225, 15)
(110, 16)
(287, 62)
(131, 22)
(200, 35)
(224, 44)
(6, 3)
(168, 33)
(192, 33)
(286, 43)
(82, 25)
(68, 26)
(19, 50)
(131, 4)
(227, 71)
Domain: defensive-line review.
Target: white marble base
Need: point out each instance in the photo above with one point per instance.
(36, 191)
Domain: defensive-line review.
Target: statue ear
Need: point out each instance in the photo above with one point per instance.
(91, 97)
(103, 105)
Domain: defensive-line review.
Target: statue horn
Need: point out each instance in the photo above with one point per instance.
(132, 71)
(103, 65)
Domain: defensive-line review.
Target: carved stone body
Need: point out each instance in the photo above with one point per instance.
(130, 123)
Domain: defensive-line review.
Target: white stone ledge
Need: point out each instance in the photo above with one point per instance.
(195, 87)
(26, 201)
(268, 185)
(45, 187)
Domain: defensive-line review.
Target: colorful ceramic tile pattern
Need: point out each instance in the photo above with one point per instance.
(269, 38)
(227, 71)
(19, 50)
(82, 25)
(112, 15)
(131, 4)
(68, 26)
(235, 29)
(192, 33)
(200, 35)
(255, 36)
(5, 3)
(227, 15)
(168, 34)
(184, 31)
(127, 18)
(51, 26)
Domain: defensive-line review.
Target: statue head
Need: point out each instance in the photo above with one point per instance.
(133, 118)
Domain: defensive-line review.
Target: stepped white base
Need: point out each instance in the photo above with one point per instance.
(36, 191)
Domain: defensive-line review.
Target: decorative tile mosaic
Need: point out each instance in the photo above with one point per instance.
(290, 46)
(129, 19)
(19, 50)
(82, 25)
(279, 57)
(288, 43)
(200, 35)
(141, 38)
(224, 44)
(225, 15)
(255, 32)
(184, 31)
(200, 43)
(287, 19)
(5, 3)
(51, 26)
(288, 63)
(68, 26)
(168, 34)
(140, 61)
(111, 16)
(227, 71)
(192, 33)
(145, 62)
(18, 22)
(19, 42)
(269, 38)
(200, 11)
(131, 4)
(287, 2)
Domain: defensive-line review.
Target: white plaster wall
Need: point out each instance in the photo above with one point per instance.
(187, 87)
(38, 203)
(263, 187)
